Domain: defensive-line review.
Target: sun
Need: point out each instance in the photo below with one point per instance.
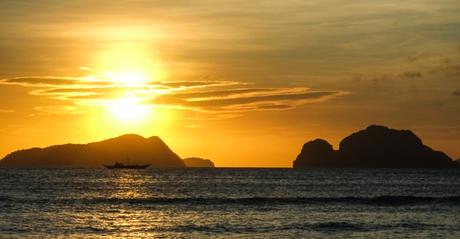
(128, 69)
(129, 109)
(128, 78)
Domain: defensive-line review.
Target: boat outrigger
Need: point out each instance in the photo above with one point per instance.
(118, 165)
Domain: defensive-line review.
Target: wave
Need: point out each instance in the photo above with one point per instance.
(323, 227)
(379, 200)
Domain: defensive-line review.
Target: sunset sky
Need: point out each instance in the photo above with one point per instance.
(243, 83)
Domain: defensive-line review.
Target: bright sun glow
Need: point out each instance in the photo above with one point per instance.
(129, 68)
(128, 78)
(129, 109)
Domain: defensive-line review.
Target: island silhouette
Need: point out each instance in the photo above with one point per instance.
(374, 147)
(195, 162)
(128, 149)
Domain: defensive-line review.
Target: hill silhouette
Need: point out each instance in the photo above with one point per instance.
(374, 147)
(195, 162)
(128, 148)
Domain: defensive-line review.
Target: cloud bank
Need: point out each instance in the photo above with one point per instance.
(205, 96)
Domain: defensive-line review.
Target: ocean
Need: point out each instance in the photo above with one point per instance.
(229, 203)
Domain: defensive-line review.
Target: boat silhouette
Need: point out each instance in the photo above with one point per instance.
(118, 165)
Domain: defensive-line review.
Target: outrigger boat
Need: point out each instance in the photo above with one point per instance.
(118, 165)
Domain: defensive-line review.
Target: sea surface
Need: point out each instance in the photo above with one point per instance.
(229, 203)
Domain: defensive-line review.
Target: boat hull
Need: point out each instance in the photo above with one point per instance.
(127, 166)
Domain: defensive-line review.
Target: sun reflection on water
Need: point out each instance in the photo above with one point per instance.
(129, 184)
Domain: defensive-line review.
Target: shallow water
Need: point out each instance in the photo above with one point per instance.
(226, 203)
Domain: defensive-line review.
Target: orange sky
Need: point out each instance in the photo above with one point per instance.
(242, 83)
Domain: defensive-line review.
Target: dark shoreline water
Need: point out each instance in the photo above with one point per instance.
(230, 202)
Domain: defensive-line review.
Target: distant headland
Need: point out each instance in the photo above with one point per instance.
(374, 147)
(128, 148)
(195, 162)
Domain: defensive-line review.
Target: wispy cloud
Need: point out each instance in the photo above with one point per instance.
(246, 99)
(41, 81)
(2, 111)
(59, 110)
(194, 84)
(411, 74)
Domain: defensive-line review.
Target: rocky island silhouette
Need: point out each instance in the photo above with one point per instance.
(374, 147)
(130, 147)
